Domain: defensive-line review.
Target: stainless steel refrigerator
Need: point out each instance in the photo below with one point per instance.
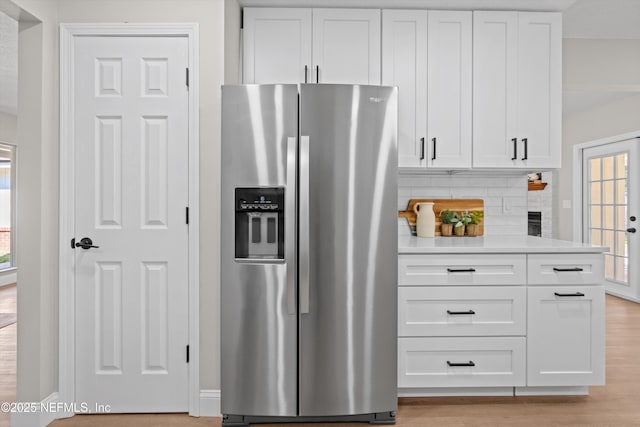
(308, 253)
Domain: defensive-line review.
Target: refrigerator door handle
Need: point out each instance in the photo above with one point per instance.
(290, 228)
(303, 251)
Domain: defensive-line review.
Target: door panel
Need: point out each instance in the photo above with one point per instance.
(610, 204)
(348, 338)
(346, 46)
(277, 45)
(259, 331)
(131, 133)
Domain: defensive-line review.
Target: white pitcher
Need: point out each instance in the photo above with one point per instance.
(426, 219)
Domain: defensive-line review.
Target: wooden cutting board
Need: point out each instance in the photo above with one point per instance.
(439, 205)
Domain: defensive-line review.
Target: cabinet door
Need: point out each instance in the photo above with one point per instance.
(565, 336)
(276, 45)
(495, 80)
(404, 64)
(540, 88)
(346, 46)
(449, 77)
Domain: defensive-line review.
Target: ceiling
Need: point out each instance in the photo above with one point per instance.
(600, 19)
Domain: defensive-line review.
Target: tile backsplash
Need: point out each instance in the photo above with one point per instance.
(505, 198)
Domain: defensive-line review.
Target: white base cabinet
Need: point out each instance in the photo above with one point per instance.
(565, 336)
(472, 324)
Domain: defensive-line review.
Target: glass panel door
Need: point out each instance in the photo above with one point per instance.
(610, 210)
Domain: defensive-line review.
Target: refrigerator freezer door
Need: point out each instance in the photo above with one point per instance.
(258, 313)
(349, 263)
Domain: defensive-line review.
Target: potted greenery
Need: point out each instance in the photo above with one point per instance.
(463, 220)
(475, 219)
(447, 219)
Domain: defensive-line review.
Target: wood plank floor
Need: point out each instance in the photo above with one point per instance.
(7, 352)
(616, 404)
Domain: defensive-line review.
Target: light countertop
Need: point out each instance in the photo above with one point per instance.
(487, 245)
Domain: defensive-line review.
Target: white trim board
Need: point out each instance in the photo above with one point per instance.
(210, 403)
(577, 175)
(38, 418)
(67, 179)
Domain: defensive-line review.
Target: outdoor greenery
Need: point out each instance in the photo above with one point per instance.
(5, 258)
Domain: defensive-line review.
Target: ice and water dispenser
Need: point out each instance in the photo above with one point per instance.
(260, 223)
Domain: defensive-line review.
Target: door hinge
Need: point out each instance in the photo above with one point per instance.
(187, 354)
(187, 215)
(242, 19)
(187, 77)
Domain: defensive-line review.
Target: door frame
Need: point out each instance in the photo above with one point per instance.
(578, 196)
(66, 344)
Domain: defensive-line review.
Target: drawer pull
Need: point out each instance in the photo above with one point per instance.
(461, 270)
(458, 313)
(567, 269)
(576, 294)
(470, 363)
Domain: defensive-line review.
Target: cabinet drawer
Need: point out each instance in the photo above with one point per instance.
(565, 269)
(471, 269)
(462, 311)
(431, 362)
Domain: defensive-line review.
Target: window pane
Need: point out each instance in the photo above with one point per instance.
(607, 217)
(595, 236)
(608, 240)
(622, 270)
(595, 169)
(608, 267)
(607, 167)
(607, 192)
(621, 217)
(621, 165)
(7, 198)
(595, 192)
(621, 191)
(621, 243)
(596, 222)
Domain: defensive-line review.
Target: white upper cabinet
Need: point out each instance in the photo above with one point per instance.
(517, 75)
(404, 64)
(297, 45)
(346, 46)
(277, 45)
(540, 88)
(427, 54)
(449, 89)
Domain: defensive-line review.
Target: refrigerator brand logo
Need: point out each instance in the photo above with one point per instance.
(376, 100)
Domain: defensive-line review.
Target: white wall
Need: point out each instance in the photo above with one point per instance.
(8, 127)
(600, 68)
(505, 198)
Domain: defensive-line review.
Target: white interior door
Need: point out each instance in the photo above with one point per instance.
(131, 169)
(611, 212)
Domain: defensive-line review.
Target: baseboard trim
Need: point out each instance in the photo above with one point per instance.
(38, 418)
(553, 391)
(8, 276)
(210, 403)
(455, 392)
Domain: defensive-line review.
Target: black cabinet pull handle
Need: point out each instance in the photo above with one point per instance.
(461, 270)
(422, 142)
(306, 72)
(515, 148)
(317, 74)
(576, 294)
(460, 313)
(526, 148)
(470, 363)
(567, 269)
(434, 148)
